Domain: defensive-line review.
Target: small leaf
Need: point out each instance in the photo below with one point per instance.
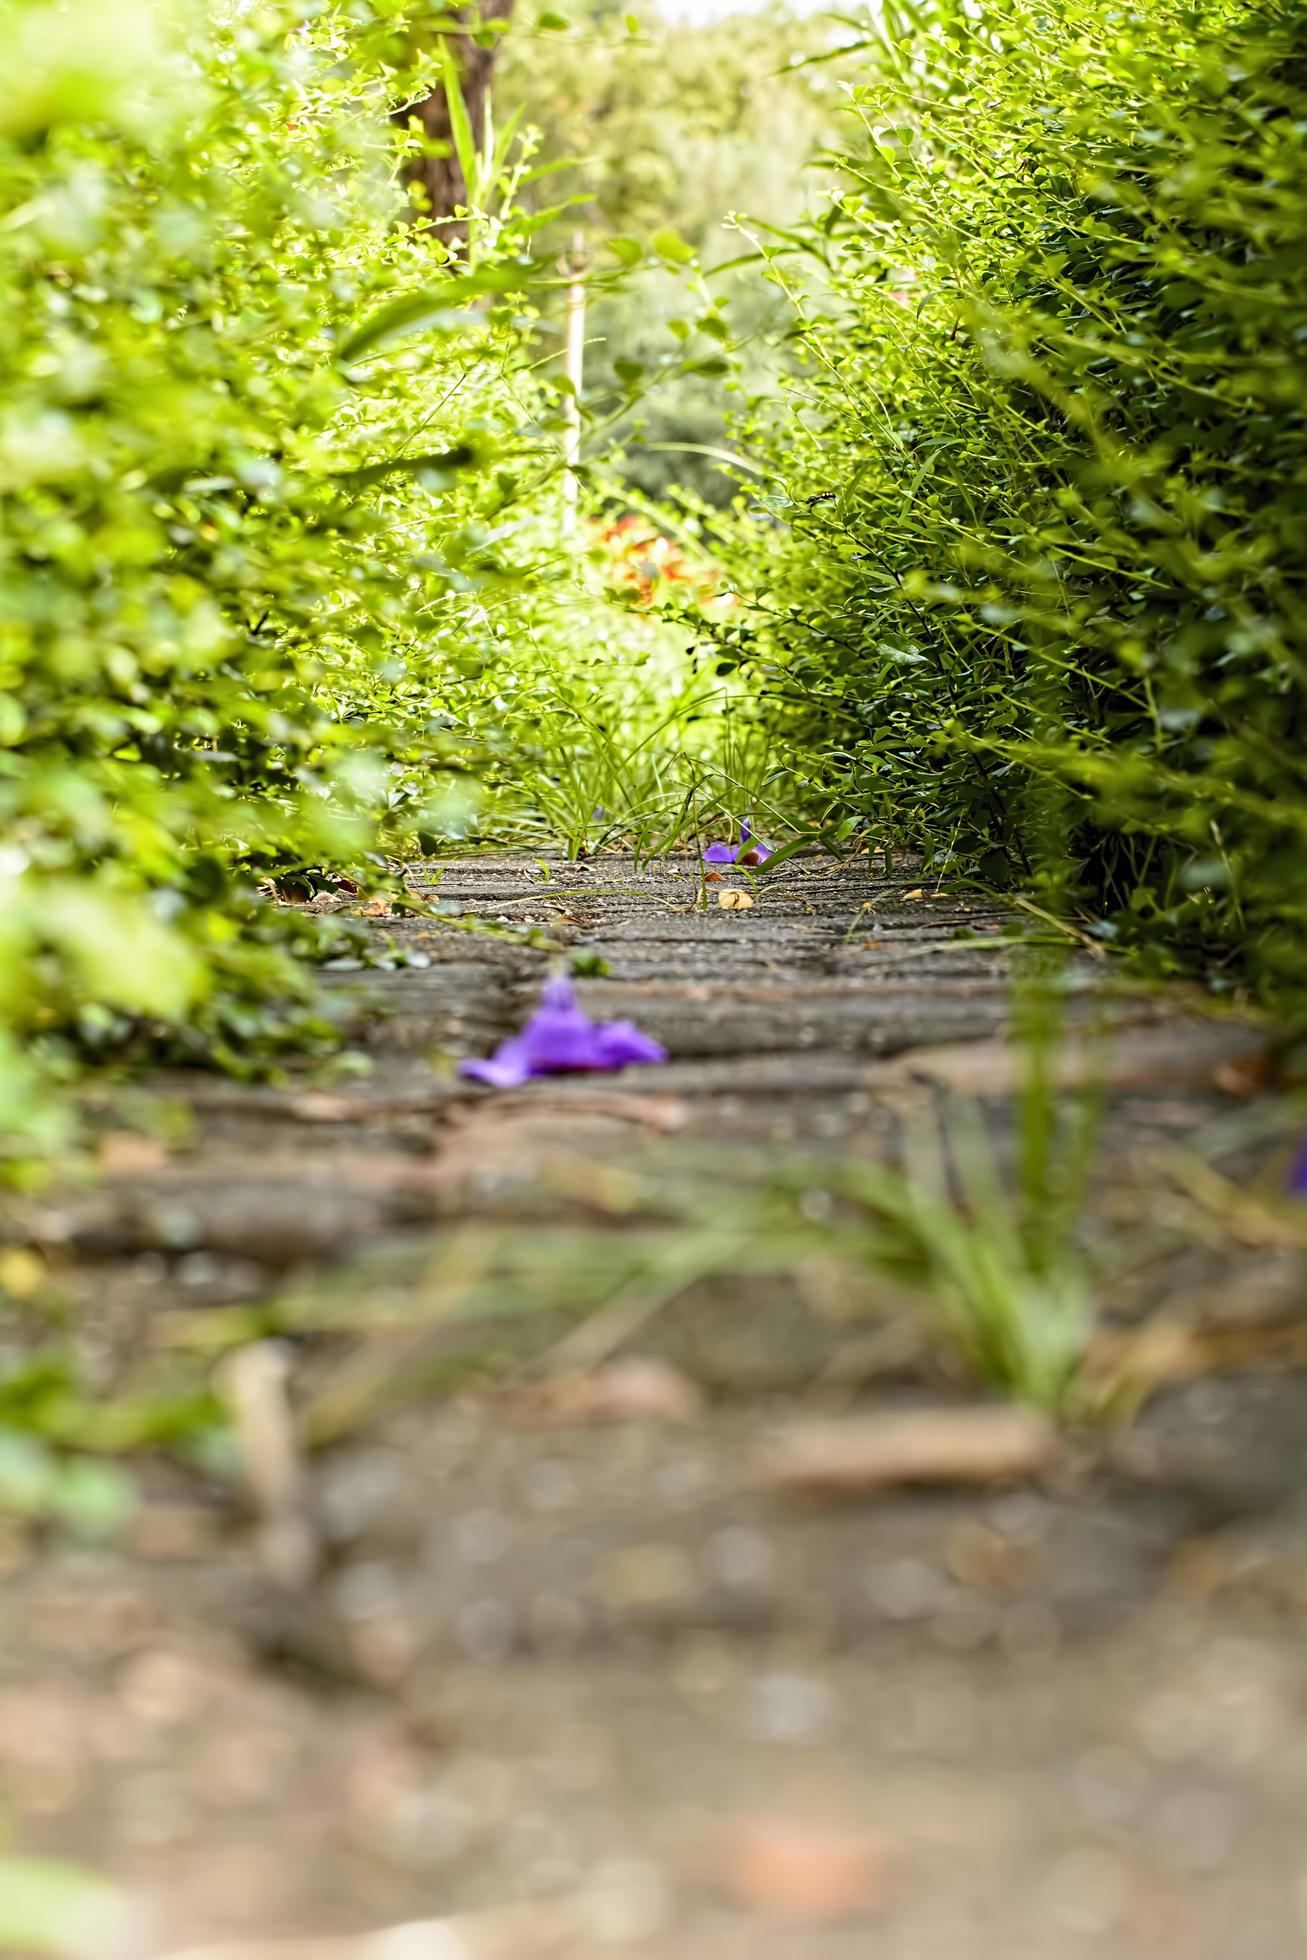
(434, 307)
(50, 1907)
(786, 851)
(440, 462)
(670, 245)
(587, 965)
(460, 123)
(95, 1500)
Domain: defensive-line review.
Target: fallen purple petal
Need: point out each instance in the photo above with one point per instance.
(745, 852)
(1298, 1172)
(561, 1039)
(751, 853)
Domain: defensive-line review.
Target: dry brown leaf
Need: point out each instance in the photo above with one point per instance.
(376, 908)
(168, 1532)
(809, 1873)
(918, 893)
(256, 1381)
(918, 1446)
(125, 1154)
(733, 901)
(23, 1272)
(1246, 1075)
(712, 877)
(319, 1106)
(1132, 1364)
(637, 1388)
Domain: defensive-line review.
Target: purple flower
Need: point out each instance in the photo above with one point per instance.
(1298, 1172)
(560, 1039)
(745, 852)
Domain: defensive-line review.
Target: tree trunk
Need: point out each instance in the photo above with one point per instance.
(439, 179)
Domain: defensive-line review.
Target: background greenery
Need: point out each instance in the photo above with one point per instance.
(672, 124)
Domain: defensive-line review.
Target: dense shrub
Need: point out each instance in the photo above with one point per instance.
(259, 545)
(1034, 589)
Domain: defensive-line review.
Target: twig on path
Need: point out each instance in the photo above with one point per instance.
(1093, 947)
(256, 1379)
(987, 1444)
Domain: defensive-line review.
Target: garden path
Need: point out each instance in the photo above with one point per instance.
(542, 1624)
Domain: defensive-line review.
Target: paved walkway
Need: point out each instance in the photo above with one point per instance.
(540, 1622)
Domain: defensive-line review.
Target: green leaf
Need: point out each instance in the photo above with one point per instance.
(460, 124)
(438, 462)
(29, 1474)
(434, 309)
(629, 250)
(121, 952)
(49, 1907)
(786, 851)
(670, 245)
(95, 1500)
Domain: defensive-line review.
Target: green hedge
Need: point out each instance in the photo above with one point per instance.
(1036, 593)
(261, 517)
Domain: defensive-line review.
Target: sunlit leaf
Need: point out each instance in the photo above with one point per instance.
(52, 1908)
(670, 245)
(437, 309)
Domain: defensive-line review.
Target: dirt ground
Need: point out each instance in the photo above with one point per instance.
(533, 1654)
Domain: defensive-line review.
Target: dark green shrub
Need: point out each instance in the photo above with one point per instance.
(1040, 588)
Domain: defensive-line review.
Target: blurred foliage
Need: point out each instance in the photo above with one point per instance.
(50, 1907)
(671, 126)
(1029, 569)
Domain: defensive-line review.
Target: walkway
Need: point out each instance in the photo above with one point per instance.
(561, 1611)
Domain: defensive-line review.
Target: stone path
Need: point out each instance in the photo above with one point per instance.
(538, 1651)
